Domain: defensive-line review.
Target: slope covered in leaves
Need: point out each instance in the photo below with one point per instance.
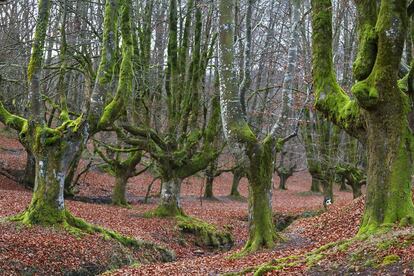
(95, 191)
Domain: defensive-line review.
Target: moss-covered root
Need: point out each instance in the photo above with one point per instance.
(206, 234)
(80, 227)
(165, 211)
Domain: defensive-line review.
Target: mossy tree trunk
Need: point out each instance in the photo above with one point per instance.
(256, 156)
(119, 191)
(169, 205)
(379, 117)
(121, 168)
(56, 149)
(52, 166)
(186, 145)
(261, 229)
(210, 175)
(316, 178)
(238, 174)
(315, 185)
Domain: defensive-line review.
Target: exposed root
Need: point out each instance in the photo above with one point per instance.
(206, 234)
(79, 227)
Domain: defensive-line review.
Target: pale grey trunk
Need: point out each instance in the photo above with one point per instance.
(170, 193)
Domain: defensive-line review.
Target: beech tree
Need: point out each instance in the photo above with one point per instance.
(377, 115)
(121, 163)
(56, 147)
(256, 155)
(184, 144)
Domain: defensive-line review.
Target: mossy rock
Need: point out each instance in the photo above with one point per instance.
(205, 233)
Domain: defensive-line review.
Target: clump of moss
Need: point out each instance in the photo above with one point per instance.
(390, 259)
(163, 211)
(206, 234)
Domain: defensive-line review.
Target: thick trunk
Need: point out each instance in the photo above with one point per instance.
(119, 192)
(170, 199)
(389, 197)
(237, 176)
(261, 229)
(30, 170)
(52, 164)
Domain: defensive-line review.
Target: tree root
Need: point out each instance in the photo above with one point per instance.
(79, 227)
(206, 234)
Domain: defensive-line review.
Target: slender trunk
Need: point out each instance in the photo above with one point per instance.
(169, 204)
(343, 184)
(211, 170)
(208, 193)
(356, 190)
(327, 190)
(30, 170)
(237, 176)
(316, 184)
(283, 179)
(119, 192)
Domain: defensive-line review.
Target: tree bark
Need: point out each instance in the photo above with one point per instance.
(169, 205)
(52, 165)
(379, 116)
(389, 197)
(237, 176)
(211, 170)
(261, 229)
(282, 181)
(316, 183)
(30, 170)
(119, 191)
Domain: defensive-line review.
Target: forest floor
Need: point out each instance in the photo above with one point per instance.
(50, 251)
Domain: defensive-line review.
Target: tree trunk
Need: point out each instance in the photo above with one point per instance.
(69, 185)
(389, 196)
(211, 170)
(356, 190)
(119, 192)
(208, 193)
(327, 190)
(169, 205)
(343, 184)
(261, 229)
(283, 179)
(52, 165)
(30, 170)
(315, 186)
(237, 176)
